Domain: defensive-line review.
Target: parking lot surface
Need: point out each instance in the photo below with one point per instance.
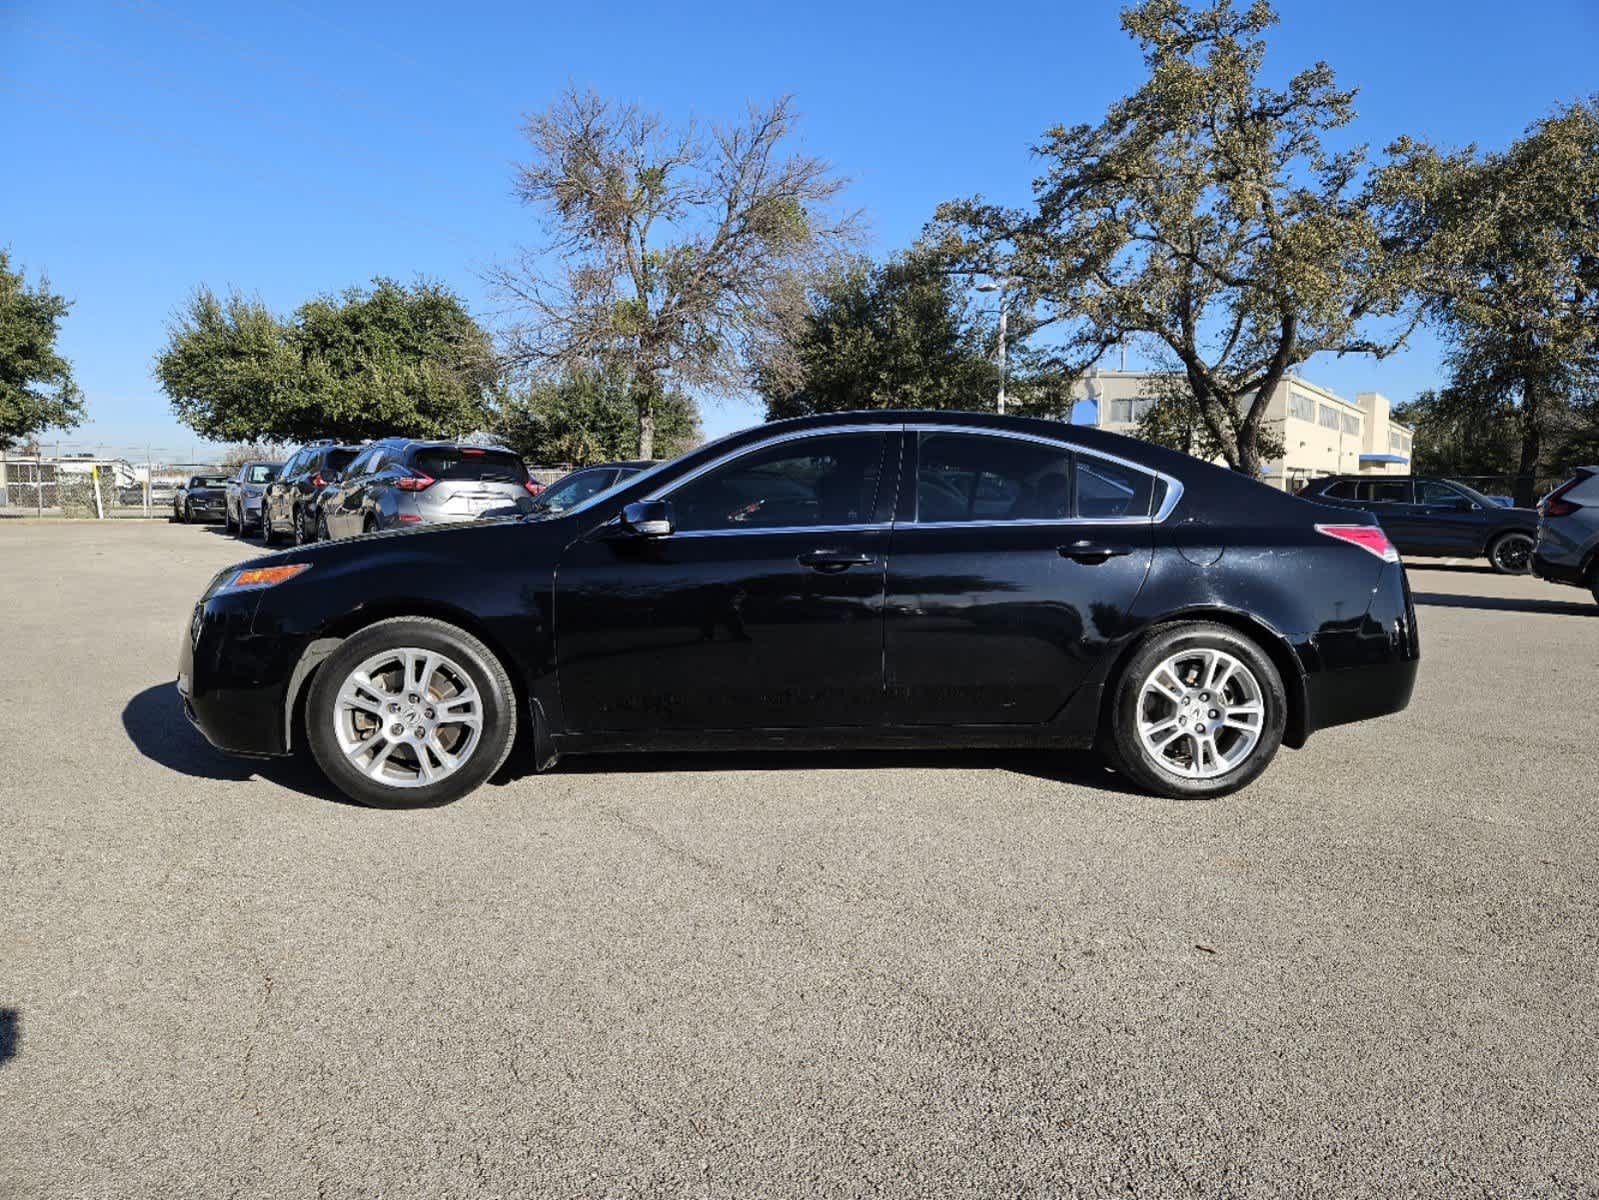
(1373, 973)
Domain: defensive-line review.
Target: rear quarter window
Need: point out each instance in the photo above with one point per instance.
(467, 462)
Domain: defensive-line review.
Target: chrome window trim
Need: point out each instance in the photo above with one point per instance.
(1174, 486)
(698, 533)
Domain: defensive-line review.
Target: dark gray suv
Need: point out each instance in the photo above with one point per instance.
(399, 482)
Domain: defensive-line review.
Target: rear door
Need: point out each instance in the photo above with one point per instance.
(345, 513)
(1013, 564)
(1390, 501)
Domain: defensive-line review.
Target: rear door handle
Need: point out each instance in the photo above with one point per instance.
(833, 561)
(1092, 552)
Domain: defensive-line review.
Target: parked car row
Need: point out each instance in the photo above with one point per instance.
(328, 490)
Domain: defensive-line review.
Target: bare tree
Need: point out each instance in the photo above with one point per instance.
(670, 253)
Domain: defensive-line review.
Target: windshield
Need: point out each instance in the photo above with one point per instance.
(1485, 501)
(470, 462)
(209, 481)
(261, 472)
(575, 488)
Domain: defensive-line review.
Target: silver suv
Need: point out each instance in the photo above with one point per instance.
(241, 504)
(1568, 533)
(398, 483)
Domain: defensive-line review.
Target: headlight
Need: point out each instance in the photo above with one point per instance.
(263, 577)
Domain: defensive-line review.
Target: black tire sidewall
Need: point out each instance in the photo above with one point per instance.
(488, 676)
(1127, 751)
(1493, 553)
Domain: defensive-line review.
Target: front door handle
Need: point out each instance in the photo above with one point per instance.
(831, 562)
(1091, 553)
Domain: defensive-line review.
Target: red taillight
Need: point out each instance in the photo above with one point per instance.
(318, 481)
(471, 451)
(1554, 506)
(414, 483)
(533, 489)
(1369, 538)
(407, 518)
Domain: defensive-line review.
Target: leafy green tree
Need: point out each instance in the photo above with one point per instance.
(1175, 420)
(37, 391)
(1458, 432)
(1516, 283)
(585, 417)
(1205, 217)
(670, 252)
(394, 359)
(880, 337)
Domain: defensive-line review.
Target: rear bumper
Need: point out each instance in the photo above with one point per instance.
(1556, 572)
(1359, 693)
(1368, 668)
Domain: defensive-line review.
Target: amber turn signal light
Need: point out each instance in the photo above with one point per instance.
(264, 577)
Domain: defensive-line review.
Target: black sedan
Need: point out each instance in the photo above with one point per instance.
(884, 578)
(1436, 518)
(201, 498)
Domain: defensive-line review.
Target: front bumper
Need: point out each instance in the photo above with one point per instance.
(234, 682)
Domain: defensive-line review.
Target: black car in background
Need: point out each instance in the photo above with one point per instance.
(200, 498)
(1430, 517)
(292, 503)
(577, 486)
(400, 481)
(861, 579)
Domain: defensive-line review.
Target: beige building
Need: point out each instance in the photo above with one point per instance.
(1322, 433)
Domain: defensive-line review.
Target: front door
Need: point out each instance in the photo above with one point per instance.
(1008, 577)
(761, 610)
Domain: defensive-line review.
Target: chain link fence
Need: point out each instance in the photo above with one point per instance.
(78, 488)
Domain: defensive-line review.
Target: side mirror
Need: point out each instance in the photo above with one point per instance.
(648, 518)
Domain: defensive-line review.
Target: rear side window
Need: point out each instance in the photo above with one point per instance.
(969, 477)
(469, 463)
(337, 460)
(1379, 492)
(1343, 489)
(1107, 489)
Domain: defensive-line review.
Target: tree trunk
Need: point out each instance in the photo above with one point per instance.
(646, 421)
(1531, 442)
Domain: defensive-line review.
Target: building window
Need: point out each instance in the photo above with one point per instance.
(1351, 425)
(1301, 406)
(1328, 417)
(1398, 443)
(1129, 412)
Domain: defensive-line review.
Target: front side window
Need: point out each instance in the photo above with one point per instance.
(829, 479)
(1428, 492)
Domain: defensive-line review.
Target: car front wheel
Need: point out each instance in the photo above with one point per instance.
(1511, 554)
(410, 713)
(1199, 712)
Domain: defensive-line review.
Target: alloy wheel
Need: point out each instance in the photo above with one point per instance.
(408, 717)
(1200, 713)
(1512, 554)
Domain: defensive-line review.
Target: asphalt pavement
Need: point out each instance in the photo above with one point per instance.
(1373, 973)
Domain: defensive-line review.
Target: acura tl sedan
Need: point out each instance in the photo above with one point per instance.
(870, 579)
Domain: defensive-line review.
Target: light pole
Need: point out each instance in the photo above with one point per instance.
(1002, 286)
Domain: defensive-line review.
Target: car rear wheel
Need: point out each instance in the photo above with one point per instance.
(1199, 712)
(269, 535)
(302, 535)
(323, 534)
(227, 520)
(410, 713)
(1511, 554)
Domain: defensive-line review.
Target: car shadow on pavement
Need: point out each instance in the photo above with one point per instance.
(1500, 604)
(1053, 766)
(155, 724)
(1412, 566)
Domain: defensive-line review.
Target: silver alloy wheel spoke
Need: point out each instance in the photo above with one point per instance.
(1201, 713)
(408, 717)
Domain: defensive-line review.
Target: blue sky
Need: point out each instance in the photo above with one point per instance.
(287, 149)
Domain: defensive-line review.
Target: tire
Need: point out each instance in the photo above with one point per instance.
(323, 533)
(390, 775)
(1511, 553)
(300, 536)
(186, 517)
(227, 520)
(268, 534)
(370, 525)
(1140, 705)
